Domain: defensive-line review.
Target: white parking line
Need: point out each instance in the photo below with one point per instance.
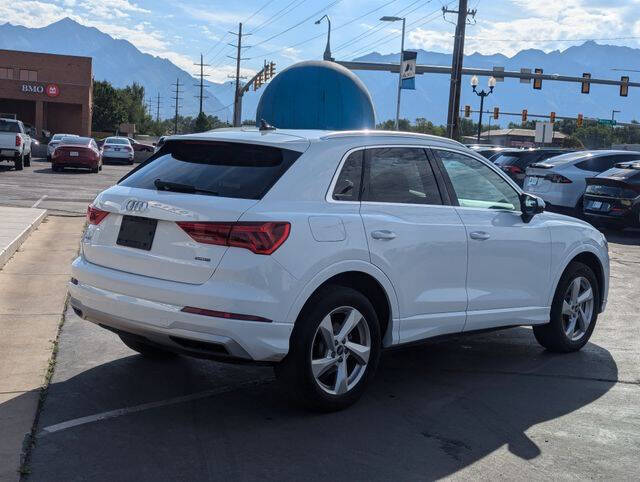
(37, 203)
(148, 406)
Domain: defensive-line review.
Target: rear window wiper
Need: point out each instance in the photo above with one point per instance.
(177, 187)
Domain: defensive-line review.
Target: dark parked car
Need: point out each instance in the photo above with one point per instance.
(612, 199)
(139, 146)
(76, 151)
(515, 163)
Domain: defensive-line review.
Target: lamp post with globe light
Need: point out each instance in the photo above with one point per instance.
(482, 94)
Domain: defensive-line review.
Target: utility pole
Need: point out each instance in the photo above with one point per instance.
(177, 98)
(237, 100)
(201, 85)
(453, 117)
(158, 108)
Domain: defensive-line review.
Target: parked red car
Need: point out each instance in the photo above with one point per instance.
(79, 152)
(139, 146)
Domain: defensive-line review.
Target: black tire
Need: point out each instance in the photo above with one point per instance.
(95, 169)
(552, 335)
(56, 168)
(27, 161)
(147, 351)
(48, 158)
(295, 372)
(18, 163)
(100, 167)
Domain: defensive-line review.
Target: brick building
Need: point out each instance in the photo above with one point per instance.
(50, 92)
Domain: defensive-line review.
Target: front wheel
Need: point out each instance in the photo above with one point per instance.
(334, 350)
(18, 163)
(574, 311)
(27, 160)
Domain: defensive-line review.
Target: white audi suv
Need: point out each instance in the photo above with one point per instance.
(314, 250)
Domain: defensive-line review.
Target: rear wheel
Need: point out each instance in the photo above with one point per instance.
(148, 351)
(95, 169)
(574, 311)
(18, 163)
(334, 350)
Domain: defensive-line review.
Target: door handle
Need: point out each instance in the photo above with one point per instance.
(383, 234)
(480, 235)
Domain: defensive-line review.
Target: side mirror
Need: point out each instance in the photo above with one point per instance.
(530, 205)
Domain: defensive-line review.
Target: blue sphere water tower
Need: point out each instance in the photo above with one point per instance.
(316, 95)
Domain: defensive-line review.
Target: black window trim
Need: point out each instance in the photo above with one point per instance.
(486, 162)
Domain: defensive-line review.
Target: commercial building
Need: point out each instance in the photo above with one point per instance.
(517, 138)
(49, 92)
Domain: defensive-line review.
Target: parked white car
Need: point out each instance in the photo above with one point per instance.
(314, 250)
(561, 180)
(15, 143)
(117, 149)
(55, 142)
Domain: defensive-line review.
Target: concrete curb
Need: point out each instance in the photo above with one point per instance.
(6, 253)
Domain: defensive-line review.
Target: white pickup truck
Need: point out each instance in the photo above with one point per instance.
(15, 143)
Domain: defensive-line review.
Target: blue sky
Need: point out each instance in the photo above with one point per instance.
(284, 30)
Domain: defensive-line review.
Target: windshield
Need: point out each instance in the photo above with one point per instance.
(76, 140)
(117, 140)
(57, 137)
(224, 169)
(570, 157)
(6, 126)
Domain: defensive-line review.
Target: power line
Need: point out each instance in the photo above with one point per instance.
(275, 16)
(269, 2)
(335, 2)
(268, 54)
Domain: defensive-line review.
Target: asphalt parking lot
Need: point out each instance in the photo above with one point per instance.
(67, 192)
(483, 407)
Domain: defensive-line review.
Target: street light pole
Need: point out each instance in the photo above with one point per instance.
(395, 19)
(327, 50)
(482, 94)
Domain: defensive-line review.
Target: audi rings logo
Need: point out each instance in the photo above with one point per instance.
(135, 206)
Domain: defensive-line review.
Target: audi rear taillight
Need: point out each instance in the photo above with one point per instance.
(18, 141)
(557, 178)
(95, 215)
(257, 237)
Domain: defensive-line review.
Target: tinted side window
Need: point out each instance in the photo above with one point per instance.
(602, 163)
(477, 185)
(348, 184)
(399, 175)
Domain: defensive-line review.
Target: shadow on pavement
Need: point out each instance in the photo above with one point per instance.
(629, 236)
(431, 411)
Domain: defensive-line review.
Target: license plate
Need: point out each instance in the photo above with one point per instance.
(73, 154)
(596, 204)
(137, 232)
(116, 148)
(6, 153)
(533, 181)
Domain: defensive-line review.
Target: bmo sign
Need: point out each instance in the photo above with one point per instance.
(50, 90)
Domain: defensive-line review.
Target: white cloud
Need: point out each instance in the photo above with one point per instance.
(291, 54)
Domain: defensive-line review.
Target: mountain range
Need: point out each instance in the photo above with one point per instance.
(121, 63)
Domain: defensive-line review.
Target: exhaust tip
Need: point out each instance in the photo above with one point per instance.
(78, 312)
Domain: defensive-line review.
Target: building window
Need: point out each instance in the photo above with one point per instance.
(6, 73)
(28, 75)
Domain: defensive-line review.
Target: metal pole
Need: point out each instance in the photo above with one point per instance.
(480, 120)
(158, 109)
(453, 122)
(237, 109)
(201, 81)
(400, 77)
(327, 50)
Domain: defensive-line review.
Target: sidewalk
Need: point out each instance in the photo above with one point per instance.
(33, 289)
(15, 226)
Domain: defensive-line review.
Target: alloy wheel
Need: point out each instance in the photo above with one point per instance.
(577, 308)
(340, 350)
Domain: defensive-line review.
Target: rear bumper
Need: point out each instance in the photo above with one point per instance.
(117, 158)
(164, 324)
(86, 164)
(9, 154)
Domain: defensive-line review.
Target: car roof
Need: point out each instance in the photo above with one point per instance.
(582, 155)
(292, 137)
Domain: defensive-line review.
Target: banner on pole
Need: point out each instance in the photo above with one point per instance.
(408, 70)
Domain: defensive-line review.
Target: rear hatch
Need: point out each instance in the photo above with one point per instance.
(614, 189)
(192, 181)
(540, 174)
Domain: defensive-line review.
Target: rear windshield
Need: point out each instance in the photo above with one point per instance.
(224, 169)
(523, 159)
(117, 141)
(76, 140)
(9, 127)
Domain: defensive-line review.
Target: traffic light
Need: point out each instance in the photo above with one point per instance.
(624, 88)
(496, 112)
(524, 115)
(537, 83)
(552, 117)
(467, 111)
(272, 69)
(579, 122)
(258, 82)
(586, 85)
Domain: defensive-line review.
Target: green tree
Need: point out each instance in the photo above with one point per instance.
(202, 123)
(108, 109)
